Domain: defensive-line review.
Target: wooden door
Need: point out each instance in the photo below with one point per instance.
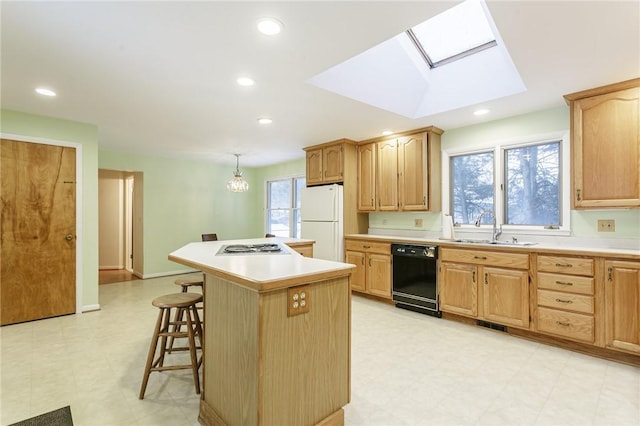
(387, 177)
(314, 166)
(622, 305)
(332, 163)
(606, 150)
(379, 274)
(358, 276)
(367, 177)
(459, 289)
(506, 296)
(412, 173)
(38, 235)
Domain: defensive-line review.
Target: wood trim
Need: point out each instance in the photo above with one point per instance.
(326, 144)
(335, 419)
(628, 84)
(430, 129)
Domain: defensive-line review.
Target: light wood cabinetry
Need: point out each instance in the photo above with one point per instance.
(373, 266)
(566, 304)
(325, 163)
(622, 305)
(489, 285)
(336, 162)
(305, 249)
(605, 143)
(400, 173)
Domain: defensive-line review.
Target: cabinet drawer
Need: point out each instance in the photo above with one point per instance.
(570, 302)
(566, 265)
(567, 324)
(486, 258)
(568, 283)
(368, 246)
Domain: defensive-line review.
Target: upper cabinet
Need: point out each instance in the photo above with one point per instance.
(400, 173)
(605, 145)
(325, 163)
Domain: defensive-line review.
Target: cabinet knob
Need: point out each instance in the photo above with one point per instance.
(578, 195)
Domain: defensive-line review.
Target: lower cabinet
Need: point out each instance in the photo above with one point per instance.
(303, 248)
(622, 305)
(493, 286)
(372, 274)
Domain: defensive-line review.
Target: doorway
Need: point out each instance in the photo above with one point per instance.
(119, 210)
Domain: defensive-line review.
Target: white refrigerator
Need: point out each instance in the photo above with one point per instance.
(321, 217)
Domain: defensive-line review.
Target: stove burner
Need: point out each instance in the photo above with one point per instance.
(252, 248)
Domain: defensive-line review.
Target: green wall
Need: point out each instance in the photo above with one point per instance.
(27, 127)
(583, 223)
(183, 199)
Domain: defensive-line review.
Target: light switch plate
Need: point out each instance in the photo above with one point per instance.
(606, 225)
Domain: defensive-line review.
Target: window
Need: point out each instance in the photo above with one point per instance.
(283, 206)
(521, 184)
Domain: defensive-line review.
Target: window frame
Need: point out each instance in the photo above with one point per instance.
(498, 149)
(294, 212)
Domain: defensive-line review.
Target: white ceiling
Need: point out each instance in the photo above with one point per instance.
(159, 77)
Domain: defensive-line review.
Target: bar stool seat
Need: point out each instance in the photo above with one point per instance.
(183, 303)
(185, 283)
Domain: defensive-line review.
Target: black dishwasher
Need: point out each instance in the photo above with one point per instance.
(415, 278)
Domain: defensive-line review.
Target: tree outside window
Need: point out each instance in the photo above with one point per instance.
(472, 187)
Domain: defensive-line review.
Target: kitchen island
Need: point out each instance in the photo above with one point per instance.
(277, 335)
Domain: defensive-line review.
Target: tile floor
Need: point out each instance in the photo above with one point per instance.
(408, 369)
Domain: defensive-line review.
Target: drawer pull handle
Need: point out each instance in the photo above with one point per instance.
(564, 324)
(564, 283)
(366, 247)
(564, 265)
(480, 257)
(564, 301)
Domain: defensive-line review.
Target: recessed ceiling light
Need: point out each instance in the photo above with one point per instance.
(44, 91)
(245, 81)
(269, 26)
(265, 120)
(387, 132)
(481, 111)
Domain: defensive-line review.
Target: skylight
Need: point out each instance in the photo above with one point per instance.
(393, 75)
(453, 34)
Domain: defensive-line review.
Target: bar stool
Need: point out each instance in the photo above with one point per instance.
(185, 284)
(165, 327)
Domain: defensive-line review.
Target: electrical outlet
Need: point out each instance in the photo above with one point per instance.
(297, 300)
(418, 223)
(606, 225)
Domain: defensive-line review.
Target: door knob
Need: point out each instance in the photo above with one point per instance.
(68, 237)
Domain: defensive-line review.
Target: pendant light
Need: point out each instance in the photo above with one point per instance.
(237, 183)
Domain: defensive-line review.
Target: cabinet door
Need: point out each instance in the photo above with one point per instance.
(358, 275)
(387, 178)
(606, 147)
(314, 166)
(459, 289)
(332, 163)
(379, 274)
(412, 173)
(367, 177)
(622, 305)
(506, 296)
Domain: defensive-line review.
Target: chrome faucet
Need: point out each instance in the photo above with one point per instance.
(496, 232)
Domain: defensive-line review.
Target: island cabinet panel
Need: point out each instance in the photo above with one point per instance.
(622, 305)
(484, 284)
(605, 138)
(263, 367)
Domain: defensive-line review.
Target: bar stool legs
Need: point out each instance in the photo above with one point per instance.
(166, 328)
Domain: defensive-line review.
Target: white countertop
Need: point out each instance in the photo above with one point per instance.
(259, 271)
(537, 247)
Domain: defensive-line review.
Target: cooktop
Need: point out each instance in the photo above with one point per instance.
(267, 248)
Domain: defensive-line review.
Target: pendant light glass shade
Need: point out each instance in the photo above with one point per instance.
(237, 183)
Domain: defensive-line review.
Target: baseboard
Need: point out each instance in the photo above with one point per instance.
(90, 308)
(168, 273)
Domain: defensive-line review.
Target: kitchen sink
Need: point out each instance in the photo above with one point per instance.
(499, 243)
